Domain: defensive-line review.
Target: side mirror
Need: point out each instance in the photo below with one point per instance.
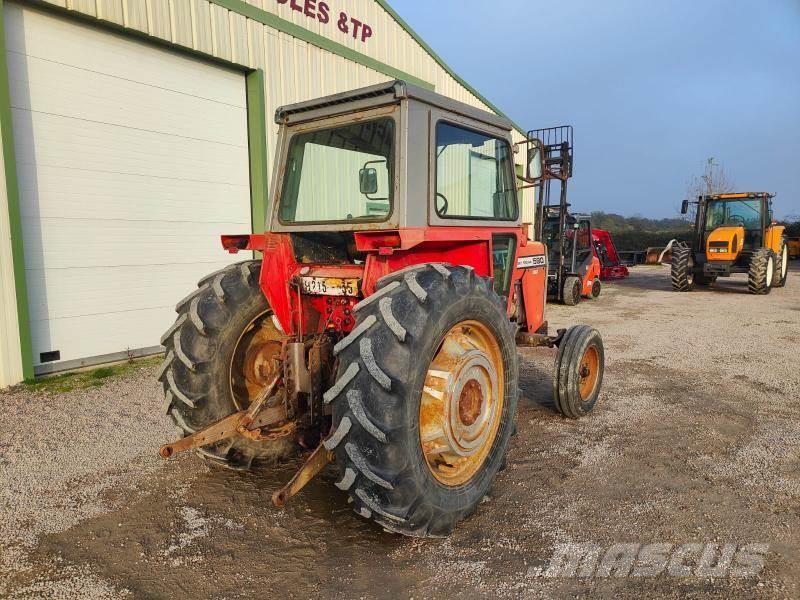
(535, 168)
(368, 181)
(685, 207)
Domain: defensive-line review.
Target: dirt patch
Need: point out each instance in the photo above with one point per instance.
(695, 440)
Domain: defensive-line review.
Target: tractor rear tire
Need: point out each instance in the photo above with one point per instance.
(572, 290)
(682, 272)
(388, 367)
(596, 287)
(578, 373)
(762, 272)
(781, 265)
(200, 346)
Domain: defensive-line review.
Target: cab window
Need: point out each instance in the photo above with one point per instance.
(584, 241)
(474, 175)
(340, 174)
(503, 246)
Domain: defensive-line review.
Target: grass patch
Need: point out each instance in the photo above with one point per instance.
(67, 382)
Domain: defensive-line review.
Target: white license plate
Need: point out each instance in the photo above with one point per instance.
(329, 286)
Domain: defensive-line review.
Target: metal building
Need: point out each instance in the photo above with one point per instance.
(135, 132)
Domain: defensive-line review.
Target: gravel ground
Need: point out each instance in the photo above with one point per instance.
(696, 439)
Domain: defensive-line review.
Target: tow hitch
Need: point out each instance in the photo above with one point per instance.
(248, 423)
(251, 423)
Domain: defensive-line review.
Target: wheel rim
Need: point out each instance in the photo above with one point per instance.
(576, 292)
(784, 263)
(462, 403)
(770, 271)
(254, 363)
(589, 372)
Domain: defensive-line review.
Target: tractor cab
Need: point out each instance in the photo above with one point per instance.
(740, 219)
(365, 178)
(734, 233)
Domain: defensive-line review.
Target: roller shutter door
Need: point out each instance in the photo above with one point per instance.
(132, 160)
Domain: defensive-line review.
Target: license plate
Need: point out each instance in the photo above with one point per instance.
(329, 286)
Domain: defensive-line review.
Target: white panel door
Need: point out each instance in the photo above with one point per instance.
(132, 161)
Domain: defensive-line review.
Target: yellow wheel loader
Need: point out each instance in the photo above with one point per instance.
(734, 233)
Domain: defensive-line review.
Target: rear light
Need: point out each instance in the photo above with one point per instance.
(367, 240)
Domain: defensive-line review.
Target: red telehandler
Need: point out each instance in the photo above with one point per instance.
(605, 250)
(380, 328)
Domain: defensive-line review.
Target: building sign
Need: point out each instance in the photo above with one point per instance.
(321, 11)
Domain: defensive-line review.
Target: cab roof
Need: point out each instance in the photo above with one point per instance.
(740, 195)
(391, 92)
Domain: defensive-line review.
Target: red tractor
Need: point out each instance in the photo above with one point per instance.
(380, 328)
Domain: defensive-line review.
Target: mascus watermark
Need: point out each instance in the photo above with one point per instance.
(693, 559)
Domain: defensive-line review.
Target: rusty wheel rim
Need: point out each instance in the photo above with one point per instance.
(462, 403)
(253, 363)
(589, 370)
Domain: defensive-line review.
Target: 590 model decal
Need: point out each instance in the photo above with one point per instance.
(531, 262)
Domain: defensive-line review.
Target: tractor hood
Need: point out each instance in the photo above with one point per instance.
(725, 243)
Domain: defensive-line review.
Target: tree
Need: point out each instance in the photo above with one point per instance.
(714, 180)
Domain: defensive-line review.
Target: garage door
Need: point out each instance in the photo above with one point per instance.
(132, 160)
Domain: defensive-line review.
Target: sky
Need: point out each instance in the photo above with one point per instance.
(653, 89)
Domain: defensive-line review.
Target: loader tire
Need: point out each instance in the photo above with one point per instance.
(578, 372)
(761, 272)
(389, 375)
(197, 373)
(681, 272)
(572, 290)
(781, 265)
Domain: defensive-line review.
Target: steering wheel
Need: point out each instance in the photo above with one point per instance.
(738, 218)
(443, 210)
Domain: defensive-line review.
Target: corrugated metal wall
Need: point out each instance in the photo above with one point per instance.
(295, 70)
(306, 71)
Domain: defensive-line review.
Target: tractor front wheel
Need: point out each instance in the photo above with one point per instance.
(762, 272)
(682, 272)
(220, 354)
(578, 374)
(425, 398)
